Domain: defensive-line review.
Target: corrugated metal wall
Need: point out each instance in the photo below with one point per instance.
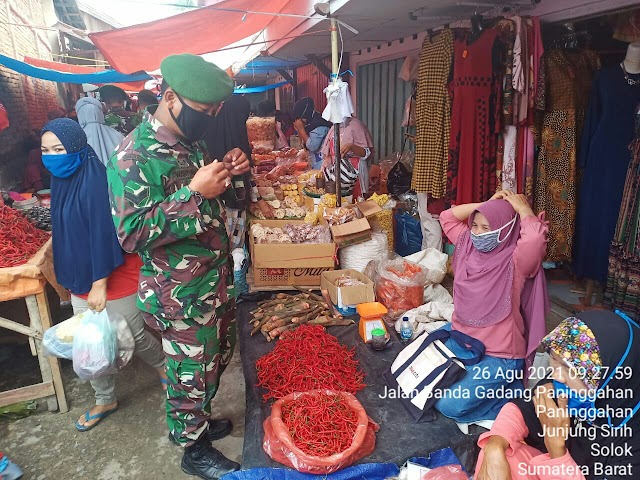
(311, 82)
(381, 99)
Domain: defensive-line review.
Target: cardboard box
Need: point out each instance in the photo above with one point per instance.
(356, 231)
(288, 255)
(351, 233)
(348, 296)
(282, 277)
(272, 223)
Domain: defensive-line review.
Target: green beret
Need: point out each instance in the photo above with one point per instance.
(192, 77)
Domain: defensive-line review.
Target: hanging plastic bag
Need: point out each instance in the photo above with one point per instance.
(400, 286)
(58, 340)
(280, 447)
(399, 179)
(408, 234)
(95, 346)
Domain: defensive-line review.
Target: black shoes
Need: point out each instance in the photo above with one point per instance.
(217, 429)
(204, 461)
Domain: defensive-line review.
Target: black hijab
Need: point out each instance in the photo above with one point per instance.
(305, 109)
(228, 130)
(614, 337)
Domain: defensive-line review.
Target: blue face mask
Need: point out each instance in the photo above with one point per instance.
(486, 242)
(581, 406)
(63, 165)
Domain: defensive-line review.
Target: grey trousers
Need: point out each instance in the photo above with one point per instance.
(148, 349)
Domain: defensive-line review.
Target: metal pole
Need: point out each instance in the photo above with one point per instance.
(335, 65)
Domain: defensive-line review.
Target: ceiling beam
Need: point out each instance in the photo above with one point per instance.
(319, 64)
(286, 75)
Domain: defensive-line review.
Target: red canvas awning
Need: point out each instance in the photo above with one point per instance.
(70, 68)
(142, 47)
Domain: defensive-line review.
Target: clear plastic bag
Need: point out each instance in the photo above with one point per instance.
(58, 340)
(95, 346)
(400, 285)
(280, 447)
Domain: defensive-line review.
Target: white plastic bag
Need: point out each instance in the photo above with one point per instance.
(95, 346)
(58, 340)
(434, 261)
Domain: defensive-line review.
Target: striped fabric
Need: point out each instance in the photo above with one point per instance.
(348, 175)
(433, 115)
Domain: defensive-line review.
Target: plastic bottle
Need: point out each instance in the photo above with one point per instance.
(406, 331)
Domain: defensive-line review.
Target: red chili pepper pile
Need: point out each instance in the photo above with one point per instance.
(308, 358)
(320, 425)
(19, 240)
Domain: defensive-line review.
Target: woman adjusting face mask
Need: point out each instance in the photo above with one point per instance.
(488, 241)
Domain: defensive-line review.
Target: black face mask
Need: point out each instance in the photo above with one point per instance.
(191, 122)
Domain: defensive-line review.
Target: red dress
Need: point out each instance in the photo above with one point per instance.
(475, 120)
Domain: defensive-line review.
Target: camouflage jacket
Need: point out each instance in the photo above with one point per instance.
(184, 247)
(121, 120)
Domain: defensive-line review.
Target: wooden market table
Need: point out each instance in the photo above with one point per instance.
(28, 282)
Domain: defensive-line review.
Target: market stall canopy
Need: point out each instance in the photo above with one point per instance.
(106, 76)
(142, 47)
(70, 68)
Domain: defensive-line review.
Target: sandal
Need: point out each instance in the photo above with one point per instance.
(99, 416)
(165, 383)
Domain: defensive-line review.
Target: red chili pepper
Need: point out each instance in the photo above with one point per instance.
(19, 239)
(308, 358)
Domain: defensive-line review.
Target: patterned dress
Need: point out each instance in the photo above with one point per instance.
(623, 283)
(568, 83)
(475, 120)
(433, 114)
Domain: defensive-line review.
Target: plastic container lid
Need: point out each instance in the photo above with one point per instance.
(371, 310)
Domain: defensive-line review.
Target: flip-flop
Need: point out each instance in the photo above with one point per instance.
(165, 383)
(98, 416)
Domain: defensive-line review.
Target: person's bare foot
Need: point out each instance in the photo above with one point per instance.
(96, 410)
(164, 380)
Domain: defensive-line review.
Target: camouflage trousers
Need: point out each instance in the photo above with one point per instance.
(198, 351)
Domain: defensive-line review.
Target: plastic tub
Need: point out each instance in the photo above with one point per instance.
(24, 205)
(371, 310)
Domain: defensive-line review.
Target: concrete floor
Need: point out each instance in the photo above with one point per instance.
(130, 444)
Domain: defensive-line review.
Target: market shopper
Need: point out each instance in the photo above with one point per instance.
(312, 129)
(499, 299)
(88, 260)
(117, 117)
(101, 138)
(146, 98)
(356, 145)
(582, 422)
(165, 195)
(228, 130)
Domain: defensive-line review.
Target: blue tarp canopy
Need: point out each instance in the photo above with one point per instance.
(260, 89)
(107, 76)
(267, 64)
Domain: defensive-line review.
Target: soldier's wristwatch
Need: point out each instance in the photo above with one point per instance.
(197, 195)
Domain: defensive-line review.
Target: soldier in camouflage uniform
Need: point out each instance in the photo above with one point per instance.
(117, 117)
(165, 195)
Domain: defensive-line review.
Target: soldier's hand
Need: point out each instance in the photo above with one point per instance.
(211, 180)
(237, 162)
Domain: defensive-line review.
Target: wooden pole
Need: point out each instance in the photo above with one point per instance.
(335, 66)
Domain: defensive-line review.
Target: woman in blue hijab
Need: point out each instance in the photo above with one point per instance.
(88, 260)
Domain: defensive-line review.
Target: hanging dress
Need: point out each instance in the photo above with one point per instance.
(623, 282)
(604, 156)
(475, 120)
(568, 78)
(433, 115)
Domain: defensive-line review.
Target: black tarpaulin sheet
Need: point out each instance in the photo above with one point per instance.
(399, 437)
